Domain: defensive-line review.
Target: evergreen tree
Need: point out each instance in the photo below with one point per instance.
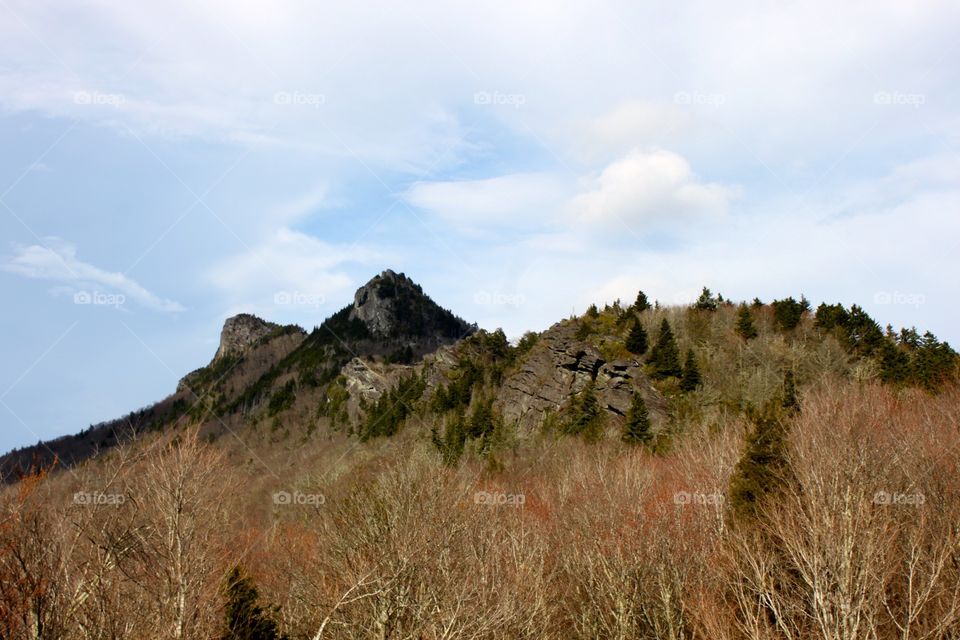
(691, 374)
(586, 417)
(894, 363)
(862, 332)
(481, 420)
(592, 311)
(830, 316)
(642, 304)
(745, 327)
(636, 429)
(584, 329)
(788, 313)
(790, 402)
(761, 468)
(245, 618)
(665, 357)
(637, 339)
(454, 439)
(706, 301)
(933, 363)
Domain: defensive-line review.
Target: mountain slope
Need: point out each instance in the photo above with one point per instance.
(390, 319)
(394, 356)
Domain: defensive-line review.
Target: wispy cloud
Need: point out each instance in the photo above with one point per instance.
(56, 260)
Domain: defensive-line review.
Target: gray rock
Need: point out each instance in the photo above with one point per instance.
(558, 367)
(240, 333)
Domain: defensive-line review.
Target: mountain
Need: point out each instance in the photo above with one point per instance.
(638, 471)
(393, 356)
(259, 366)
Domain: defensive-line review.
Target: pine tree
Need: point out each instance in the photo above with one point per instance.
(636, 429)
(761, 469)
(706, 301)
(788, 312)
(745, 327)
(481, 421)
(790, 402)
(642, 304)
(637, 339)
(665, 357)
(586, 416)
(584, 329)
(592, 311)
(244, 618)
(691, 374)
(454, 440)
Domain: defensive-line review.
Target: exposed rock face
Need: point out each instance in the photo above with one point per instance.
(240, 332)
(367, 382)
(372, 308)
(393, 305)
(560, 366)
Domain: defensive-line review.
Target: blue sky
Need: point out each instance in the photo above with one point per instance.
(166, 165)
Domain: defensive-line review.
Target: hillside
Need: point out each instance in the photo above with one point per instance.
(394, 346)
(637, 471)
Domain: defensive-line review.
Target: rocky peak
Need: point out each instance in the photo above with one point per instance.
(240, 332)
(373, 302)
(393, 305)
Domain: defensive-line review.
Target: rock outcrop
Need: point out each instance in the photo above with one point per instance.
(558, 367)
(241, 332)
(391, 305)
(363, 384)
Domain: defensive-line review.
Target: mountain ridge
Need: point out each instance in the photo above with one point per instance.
(393, 355)
(391, 317)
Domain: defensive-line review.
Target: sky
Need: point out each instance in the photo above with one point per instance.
(168, 164)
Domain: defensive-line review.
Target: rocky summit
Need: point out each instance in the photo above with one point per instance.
(240, 332)
(392, 305)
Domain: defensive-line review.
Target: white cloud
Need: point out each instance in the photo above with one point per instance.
(646, 186)
(792, 81)
(649, 188)
(57, 261)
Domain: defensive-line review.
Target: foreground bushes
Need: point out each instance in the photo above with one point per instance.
(860, 538)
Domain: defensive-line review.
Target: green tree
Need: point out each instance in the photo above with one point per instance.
(527, 342)
(584, 329)
(592, 311)
(933, 363)
(245, 618)
(790, 402)
(706, 301)
(761, 468)
(636, 429)
(665, 357)
(481, 421)
(691, 374)
(894, 363)
(788, 312)
(586, 415)
(745, 327)
(642, 304)
(637, 339)
(455, 439)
